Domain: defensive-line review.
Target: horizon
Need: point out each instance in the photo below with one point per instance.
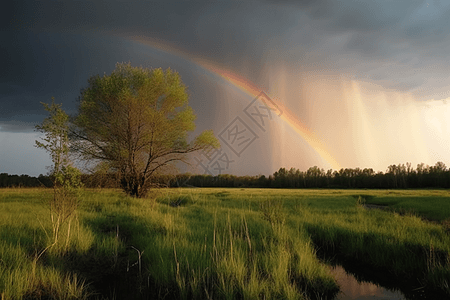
(413, 168)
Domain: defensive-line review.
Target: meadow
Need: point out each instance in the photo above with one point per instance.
(215, 243)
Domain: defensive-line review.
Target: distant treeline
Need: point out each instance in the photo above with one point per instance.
(7, 180)
(396, 177)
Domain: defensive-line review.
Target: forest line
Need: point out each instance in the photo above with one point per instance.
(399, 176)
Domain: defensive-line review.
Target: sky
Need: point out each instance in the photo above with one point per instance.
(349, 83)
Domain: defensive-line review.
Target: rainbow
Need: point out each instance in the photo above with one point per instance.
(286, 115)
(249, 88)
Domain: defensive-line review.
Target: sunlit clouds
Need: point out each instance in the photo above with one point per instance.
(363, 124)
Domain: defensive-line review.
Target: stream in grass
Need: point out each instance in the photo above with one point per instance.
(351, 288)
(357, 282)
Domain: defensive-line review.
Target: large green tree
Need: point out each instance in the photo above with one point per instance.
(136, 121)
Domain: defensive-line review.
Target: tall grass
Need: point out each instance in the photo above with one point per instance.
(24, 228)
(210, 244)
(402, 244)
(434, 206)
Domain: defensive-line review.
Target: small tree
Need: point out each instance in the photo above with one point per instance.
(136, 120)
(65, 177)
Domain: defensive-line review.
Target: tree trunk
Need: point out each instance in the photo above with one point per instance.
(134, 186)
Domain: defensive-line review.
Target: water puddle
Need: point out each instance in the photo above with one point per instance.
(351, 288)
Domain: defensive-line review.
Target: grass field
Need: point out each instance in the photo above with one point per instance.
(219, 243)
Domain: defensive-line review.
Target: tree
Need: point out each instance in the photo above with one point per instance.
(136, 120)
(65, 177)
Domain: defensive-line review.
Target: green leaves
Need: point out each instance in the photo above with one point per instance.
(137, 120)
(66, 178)
(56, 142)
(207, 139)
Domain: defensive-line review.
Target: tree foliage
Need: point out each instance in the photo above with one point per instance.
(399, 176)
(424, 176)
(56, 143)
(137, 121)
(66, 178)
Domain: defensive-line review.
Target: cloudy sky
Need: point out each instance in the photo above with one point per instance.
(368, 79)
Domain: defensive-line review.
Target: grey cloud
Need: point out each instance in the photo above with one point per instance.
(19, 103)
(224, 31)
(18, 126)
(360, 42)
(372, 16)
(251, 33)
(157, 16)
(428, 32)
(353, 14)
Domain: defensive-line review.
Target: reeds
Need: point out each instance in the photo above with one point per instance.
(214, 244)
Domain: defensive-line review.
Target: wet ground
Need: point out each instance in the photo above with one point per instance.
(351, 288)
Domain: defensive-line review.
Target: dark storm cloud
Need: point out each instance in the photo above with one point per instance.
(42, 65)
(411, 37)
(400, 44)
(366, 22)
(221, 28)
(395, 21)
(157, 16)
(359, 15)
(222, 31)
(226, 31)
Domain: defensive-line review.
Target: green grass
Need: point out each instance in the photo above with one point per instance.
(433, 206)
(218, 243)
